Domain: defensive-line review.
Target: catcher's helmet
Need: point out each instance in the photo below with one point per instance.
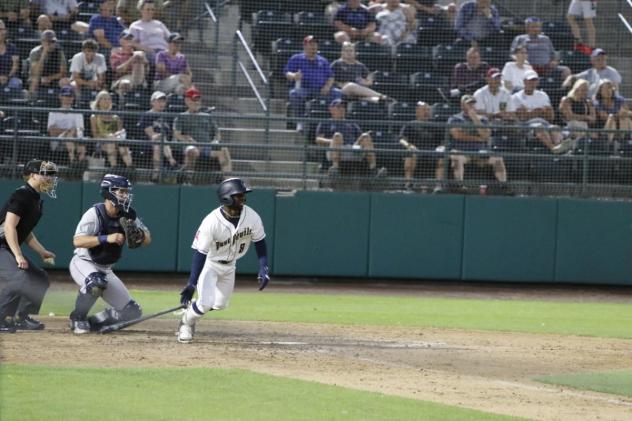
(230, 187)
(110, 184)
(45, 168)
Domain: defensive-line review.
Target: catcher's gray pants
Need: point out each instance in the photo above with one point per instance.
(24, 290)
(116, 294)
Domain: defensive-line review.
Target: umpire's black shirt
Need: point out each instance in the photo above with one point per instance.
(26, 203)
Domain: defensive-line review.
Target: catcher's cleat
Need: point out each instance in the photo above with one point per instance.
(185, 333)
(80, 327)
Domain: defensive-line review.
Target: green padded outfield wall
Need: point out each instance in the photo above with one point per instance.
(509, 238)
(594, 242)
(158, 208)
(416, 236)
(196, 202)
(322, 234)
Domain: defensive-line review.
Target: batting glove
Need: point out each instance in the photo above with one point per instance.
(186, 295)
(263, 277)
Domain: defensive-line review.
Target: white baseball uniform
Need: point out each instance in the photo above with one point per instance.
(223, 244)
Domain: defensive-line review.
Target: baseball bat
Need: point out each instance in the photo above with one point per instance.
(122, 325)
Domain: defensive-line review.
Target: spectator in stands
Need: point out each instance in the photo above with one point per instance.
(577, 109)
(129, 67)
(354, 23)
(173, 74)
(541, 53)
(470, 75)
(129, 11)
(150, 35)
(599, 71)
(198, 131)
(9, 63)
(533, 108)
(477, 21)
(158, 130)
(105, 27)
(15, 13)
(47, 64)
(338, 133)
(470, 133)
(60, 15)
(418, 135)
(431, 8)
(612, 111)
(109, 128)
(87, 69)
(312, 77)
(514, 71)
(68, 125)
(353, 77)
(492, 99)
(397, 23)
(586, 10)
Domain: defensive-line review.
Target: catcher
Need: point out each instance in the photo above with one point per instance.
(99, 239)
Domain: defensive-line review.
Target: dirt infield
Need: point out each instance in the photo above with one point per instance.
(489, 371)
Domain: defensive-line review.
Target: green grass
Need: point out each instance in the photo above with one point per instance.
(42, 393)
(615, 382)
(566, 318)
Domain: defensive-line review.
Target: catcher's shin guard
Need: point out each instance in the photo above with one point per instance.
(82, 306)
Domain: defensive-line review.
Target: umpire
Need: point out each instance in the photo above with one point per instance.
(26, 283)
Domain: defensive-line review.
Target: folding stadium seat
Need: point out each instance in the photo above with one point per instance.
(87, 9)
(442, 111)
(394, 85)
(329, 49)
(425, 86)
(270, 25)
(318, 110)
(434, 31)
(374, 56)
(412, 58)
(560, 34)
(578, 62)
(313, 23)
(175, 103)
(402, 111)
(137, 99)
(370, 116)
(446, 56)
(496, 57)
(385, 143)
(282, 50)
(553, 87)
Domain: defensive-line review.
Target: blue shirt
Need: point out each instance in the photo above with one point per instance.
(471, 25)
(6, 59)
(359, 18)
(316, 72)
(461, 119)
(111, 26)
(350, 131)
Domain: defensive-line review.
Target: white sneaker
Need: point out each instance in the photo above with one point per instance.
(80, 327)
(185, 333)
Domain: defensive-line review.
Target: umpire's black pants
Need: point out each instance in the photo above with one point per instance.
(24, 290)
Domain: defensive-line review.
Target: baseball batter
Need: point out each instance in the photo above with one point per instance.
(99, 239)
(223, 237)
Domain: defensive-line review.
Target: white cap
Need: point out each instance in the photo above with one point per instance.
(158, 95)
(530, 75)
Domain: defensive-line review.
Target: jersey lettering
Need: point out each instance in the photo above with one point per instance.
(237, 236)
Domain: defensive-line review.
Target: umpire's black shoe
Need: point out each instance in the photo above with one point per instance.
(6, 327)
(27, 323)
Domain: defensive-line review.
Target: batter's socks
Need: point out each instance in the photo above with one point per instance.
(82, 306)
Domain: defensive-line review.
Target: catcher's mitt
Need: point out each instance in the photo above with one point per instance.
(134, 234)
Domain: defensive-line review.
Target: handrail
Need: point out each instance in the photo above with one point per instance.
(252, 85)
(625, 21)
(210, 12)
(243, 42)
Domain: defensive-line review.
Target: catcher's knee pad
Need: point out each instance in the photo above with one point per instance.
(96, 282)
(131, 311)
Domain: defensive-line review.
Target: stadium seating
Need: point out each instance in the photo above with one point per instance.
(413, 58)
(394, 85)
(425, 87)
(270, 25)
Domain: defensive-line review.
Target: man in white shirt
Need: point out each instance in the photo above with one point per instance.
(492, 99)
(533, 107)
(598, 72)
(66, 125)
(87, 69)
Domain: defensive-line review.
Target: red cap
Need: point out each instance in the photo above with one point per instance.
(494, 73)
(192, 92)
(310, 38)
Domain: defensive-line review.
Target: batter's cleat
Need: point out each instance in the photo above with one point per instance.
(80, 327)
(185, 333)
(6, 327)
(27, 323)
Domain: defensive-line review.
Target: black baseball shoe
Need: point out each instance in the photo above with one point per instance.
(28, 323)
(6, 327)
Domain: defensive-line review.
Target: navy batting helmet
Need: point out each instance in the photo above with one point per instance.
(230, 187)
(118, 189)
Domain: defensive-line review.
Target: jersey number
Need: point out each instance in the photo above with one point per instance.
(241, 247)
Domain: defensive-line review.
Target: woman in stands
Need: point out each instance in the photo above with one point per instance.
(353, 77)
(612, 111)
(173, 74)
(514, 71)
(109, 127)
(577, 109)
